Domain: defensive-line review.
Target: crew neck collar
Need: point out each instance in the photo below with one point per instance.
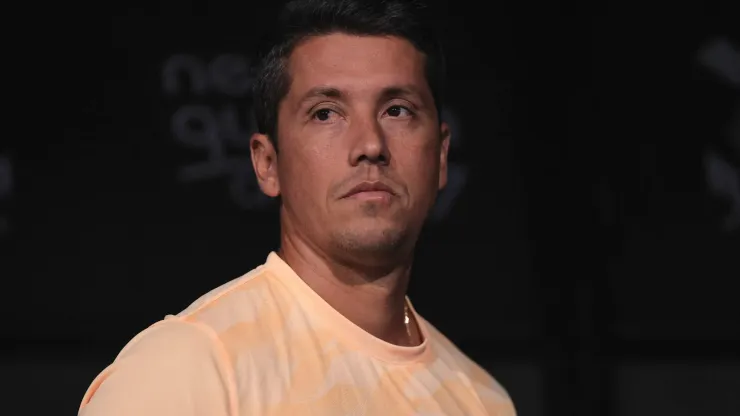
(347, 330)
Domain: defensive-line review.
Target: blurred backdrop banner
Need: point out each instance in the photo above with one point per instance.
(583, 251)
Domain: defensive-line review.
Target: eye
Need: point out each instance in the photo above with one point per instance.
(324, 115)
(398, 111)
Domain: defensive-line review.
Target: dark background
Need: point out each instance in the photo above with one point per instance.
(584, 259)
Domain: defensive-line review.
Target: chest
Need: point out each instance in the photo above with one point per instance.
(353, 384)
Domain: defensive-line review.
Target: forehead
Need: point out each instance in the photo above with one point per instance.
(355, 63)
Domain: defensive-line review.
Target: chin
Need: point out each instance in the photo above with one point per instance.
(372, 239)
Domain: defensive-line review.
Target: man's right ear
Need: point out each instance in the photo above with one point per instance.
(264, 162)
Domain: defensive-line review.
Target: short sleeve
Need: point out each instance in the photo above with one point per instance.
(172, 368)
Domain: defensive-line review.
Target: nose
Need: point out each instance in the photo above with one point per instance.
(370, 145)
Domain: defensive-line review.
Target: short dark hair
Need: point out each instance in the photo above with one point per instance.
(301, 19)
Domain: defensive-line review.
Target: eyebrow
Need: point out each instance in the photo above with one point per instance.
(386, 94)
(400, 91)
(320, 92)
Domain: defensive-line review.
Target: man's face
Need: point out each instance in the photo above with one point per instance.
(361, 151)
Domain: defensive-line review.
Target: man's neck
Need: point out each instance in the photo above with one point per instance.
(374, 303)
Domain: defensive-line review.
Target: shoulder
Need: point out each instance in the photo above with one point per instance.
(221, 298)
(189, 351)
(156, 366)
(239, 306)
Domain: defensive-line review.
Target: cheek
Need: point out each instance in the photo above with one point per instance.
(306, 175)
(417, 158)
(418, 167)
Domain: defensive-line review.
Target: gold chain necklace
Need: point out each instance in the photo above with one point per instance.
(407, 321)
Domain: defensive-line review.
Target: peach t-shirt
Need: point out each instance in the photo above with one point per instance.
(267, 344)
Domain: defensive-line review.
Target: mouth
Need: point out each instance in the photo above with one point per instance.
(370, 191)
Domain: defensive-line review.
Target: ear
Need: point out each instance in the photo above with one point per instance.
(264, 162)
(444, 135)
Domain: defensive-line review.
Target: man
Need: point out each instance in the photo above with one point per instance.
(347, 103)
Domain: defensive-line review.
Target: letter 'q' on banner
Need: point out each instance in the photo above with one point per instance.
(220, 129)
